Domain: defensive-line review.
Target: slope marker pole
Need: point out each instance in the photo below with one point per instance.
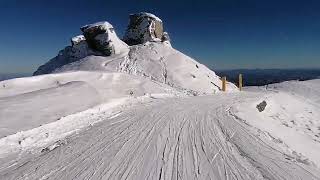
(224, 81)
(240, 82)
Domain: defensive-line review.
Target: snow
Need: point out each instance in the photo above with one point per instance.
(133, 115)
(132, 122)
(44, 106)
(48, 135)
(47, 98)
(77, 39)
(291, 115)
(149, 15)
(103, 24)
(158, 62)
(189, 138)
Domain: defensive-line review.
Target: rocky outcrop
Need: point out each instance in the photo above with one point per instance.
(102, 37)
(97, 39)
(144, 27)
(66, 56)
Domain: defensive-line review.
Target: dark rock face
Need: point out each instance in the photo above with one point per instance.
(261, 106)
(98, 39)
(144, 27)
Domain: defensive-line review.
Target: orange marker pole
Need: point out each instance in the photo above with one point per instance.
(224, 82)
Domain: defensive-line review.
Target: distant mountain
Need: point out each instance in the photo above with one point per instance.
(260, 77)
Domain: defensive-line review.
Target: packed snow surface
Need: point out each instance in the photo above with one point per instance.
(221, 136)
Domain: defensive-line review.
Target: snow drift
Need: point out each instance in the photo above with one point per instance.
(46, 98)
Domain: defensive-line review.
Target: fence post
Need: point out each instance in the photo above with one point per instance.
(224, 80)
(240, 82)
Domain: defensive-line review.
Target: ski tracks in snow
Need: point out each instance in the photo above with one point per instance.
(185, 138)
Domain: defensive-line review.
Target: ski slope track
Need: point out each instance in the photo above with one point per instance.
(173, 138)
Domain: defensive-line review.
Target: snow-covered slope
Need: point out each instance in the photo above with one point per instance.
(309, 90)
(158, 62)
(154, 60)
(47, 98)
(291, 116)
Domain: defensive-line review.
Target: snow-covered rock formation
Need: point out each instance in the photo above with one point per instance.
(99, 49)
(102, 37)
(144, 27)
(69, 54)
(98, 39)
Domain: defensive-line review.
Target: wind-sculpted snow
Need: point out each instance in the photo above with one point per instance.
(306, 89)
(30, 110)
(291, 116)
(185, 138)
(157, 62)
(27, 103)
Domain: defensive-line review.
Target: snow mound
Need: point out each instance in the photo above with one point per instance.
(44, 99)
(45, 105)
(157, 62)
(167, 65)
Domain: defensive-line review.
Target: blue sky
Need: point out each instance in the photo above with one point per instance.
(222, 34)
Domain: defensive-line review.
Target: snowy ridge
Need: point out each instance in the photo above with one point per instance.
(157, 61)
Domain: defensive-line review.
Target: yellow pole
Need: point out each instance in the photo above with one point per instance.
(240, 82)
(224, 80)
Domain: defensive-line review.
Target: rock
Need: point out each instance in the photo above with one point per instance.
(99, 39)
(77, 39)
(166, 39)
(68, 55)
(262, 106)
(143, 27)
(102, 37)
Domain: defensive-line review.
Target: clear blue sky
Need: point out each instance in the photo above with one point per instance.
(223, 34)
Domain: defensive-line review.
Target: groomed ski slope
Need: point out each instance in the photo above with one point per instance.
(173, 138)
